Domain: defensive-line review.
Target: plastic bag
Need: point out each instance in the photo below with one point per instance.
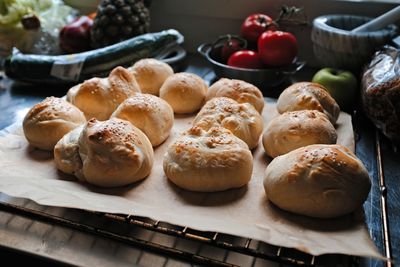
(381, 91)
(52, 14)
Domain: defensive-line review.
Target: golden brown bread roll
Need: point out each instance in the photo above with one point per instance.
(151, 114)
(322, 181)
(208, 161)
(99, 97)
(307, 95)
(238, 90)
(66, 153)
(242, 120)
(114, 153)
(48, 121)
(185, 92)
(295, 129)
(150, 74)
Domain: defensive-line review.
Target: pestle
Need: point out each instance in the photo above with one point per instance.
(380, 22)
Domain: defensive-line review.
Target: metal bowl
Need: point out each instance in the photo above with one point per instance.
(264, 79)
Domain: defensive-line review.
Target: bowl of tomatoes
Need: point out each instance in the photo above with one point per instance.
(263, 78)
(262, 54)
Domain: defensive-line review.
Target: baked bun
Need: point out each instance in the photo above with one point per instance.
(66, 153)
(99, 97)
(322, 181)
(150, 74)
(295, 129)
(242, 120)
(208, 161)
(185, 92)
(48, 121)
(114, 153)
(238, 90)
(149, 113)
(306, 95)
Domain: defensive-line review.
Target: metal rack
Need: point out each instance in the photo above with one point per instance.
(383, 200)
(269, 252)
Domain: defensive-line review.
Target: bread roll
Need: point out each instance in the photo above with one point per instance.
(238, 90)
(114, 153)
(306, 95)
(295, 129)
(185, 92)
(208, 161)
(149, 113)
(150, 74)
(322, 181)
(242, 120)
(48, 121)
(99, 97)
(66, 153)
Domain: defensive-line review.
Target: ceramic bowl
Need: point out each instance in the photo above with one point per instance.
(335, 45)
(264, 79)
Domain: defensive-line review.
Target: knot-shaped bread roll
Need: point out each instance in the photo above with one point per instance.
(238, 90)
(321, 181)
(99, 97)
(150, 74)
(114, 153)
(185, 92)
(208, 161)
(307, 95)
(295, 129)
(48, 121)
(242, 120)
(151, 114)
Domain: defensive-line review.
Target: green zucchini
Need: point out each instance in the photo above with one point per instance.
(78, 67)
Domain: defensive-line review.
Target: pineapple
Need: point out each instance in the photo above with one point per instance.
(118, 20)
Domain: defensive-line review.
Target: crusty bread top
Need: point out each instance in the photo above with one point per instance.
(151, 114)
(150, 74)
(99, 97)
(114, 136)
(52, 108)
(242, 119)
(307, 95)
(321, 181)
(294, 129)
(114, 153)
(215, 147)
(241, 91)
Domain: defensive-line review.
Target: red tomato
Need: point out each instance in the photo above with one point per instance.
(245, 59)
(277, 48)
(225, 46)
(254, 25)
(231, 46)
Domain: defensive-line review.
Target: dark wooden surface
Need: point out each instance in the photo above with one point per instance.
(16, 99)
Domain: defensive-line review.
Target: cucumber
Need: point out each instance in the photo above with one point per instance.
(78, 67)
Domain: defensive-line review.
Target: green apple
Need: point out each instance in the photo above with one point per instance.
(341, 84)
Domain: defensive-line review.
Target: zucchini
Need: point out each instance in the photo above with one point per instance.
(78, 67)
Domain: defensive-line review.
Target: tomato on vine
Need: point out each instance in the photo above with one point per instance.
(254, 25)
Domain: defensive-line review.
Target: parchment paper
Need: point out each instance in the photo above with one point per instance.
(30, 173)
